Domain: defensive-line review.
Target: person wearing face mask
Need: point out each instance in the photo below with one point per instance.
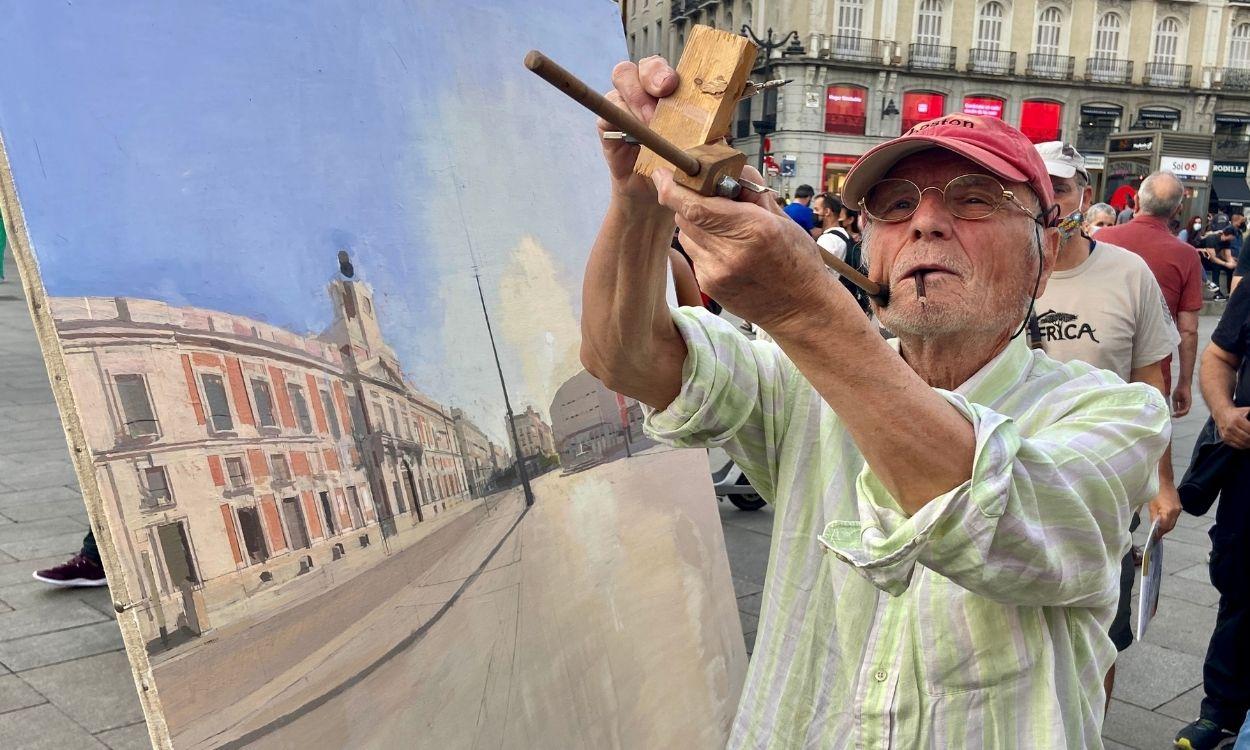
(1217, 259)
(1104, 307)
(1098, 216)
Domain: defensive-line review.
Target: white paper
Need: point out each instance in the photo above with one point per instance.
(1151, 576)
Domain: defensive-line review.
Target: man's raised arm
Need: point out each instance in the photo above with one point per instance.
(629, 340)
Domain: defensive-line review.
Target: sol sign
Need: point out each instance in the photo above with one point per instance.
(1186, 166)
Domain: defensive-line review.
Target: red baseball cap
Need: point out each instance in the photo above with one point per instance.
(1004, 151)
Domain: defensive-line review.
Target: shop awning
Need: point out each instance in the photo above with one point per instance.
(1231, 189)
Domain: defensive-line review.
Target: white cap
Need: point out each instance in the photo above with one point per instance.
(1062, 160)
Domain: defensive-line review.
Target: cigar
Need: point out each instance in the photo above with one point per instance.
(920, 289)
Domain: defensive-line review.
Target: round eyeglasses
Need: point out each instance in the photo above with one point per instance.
(969, 196)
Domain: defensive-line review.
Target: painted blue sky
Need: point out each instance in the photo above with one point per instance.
(218, 154)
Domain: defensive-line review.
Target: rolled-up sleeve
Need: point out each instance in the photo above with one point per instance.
(733, 395)
(1044, 518)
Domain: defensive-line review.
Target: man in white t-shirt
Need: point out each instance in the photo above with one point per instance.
(1103, 306)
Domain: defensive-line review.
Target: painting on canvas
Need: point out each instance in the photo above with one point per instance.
(307, 278)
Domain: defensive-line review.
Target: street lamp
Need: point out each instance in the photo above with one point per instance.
(768, 123)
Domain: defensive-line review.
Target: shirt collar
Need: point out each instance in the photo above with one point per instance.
(999, 376)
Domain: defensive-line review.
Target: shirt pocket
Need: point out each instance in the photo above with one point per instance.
(965, 642)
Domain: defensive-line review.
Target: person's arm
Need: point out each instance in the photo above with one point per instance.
(1226, 258)
(1166, 505)
(1182, 395)
(685, 285)
(1218, 380)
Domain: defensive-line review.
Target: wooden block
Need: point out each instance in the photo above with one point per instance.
(713, 73)
(718, 160)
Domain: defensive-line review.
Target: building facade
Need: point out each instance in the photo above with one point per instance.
(235, 457)
(586, 420)
(480, 457)
(534, 437)
(1076, 70)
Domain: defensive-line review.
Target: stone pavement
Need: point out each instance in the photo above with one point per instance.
(1159, 681)
(64, 681)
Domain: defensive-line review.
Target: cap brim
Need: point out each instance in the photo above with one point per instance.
(878, 161)
(1059, 169)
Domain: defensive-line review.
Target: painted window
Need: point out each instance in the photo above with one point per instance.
(132, 391)
(253, 537)
(176, 552)
(1040, 120)
(301, 407)
(1049, 28)
(919, 106)
(845, 109)
(237, 471)
(332, 415)
(1167, 39)
(218, 404)
(264, 403)
(278, 467)
(156, 482)
(990, 26)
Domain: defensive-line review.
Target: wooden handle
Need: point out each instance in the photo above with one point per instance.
(579, 92)
(853, 275)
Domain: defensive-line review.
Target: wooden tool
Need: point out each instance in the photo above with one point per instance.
(688, 129)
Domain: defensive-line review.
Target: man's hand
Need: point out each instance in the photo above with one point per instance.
(1166, 508)
(749, 256)
(1234, 425)
(1182, 399)
(636, 89)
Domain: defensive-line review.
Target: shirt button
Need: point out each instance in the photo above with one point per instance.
(881, 675)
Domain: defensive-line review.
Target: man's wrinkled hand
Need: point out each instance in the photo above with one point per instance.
(1234, 426)
(1166, 508)
(1182, 400)
(749, 256)
(636, 89)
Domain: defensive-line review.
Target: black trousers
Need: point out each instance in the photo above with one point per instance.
(1226, 673)
(1223, 277)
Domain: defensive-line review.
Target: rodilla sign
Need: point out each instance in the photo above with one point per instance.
(1187, 166)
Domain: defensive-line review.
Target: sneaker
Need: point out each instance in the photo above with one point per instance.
(1204, 734)
(79, 571)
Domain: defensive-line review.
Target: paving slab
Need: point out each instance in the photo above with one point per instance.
(44, 727)
(42, 650)
(47, 618)
(73, 508)
(133, 737)
(1149, 675)
(1181, 626)
(63, 545)
(1185, 706)
(97, 692)
(1139, 728)
(15, 694)
(751, 604)
(18, 498)
(41, 529)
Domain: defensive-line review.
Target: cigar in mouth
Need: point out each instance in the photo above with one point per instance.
(920, 289)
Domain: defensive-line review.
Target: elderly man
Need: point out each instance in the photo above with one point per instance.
(1098, 216)
(950, 516)
(1176, 267)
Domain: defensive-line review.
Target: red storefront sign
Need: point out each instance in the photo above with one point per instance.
(921, 106)
(845, 109)
(1039, 120)
(983, 106)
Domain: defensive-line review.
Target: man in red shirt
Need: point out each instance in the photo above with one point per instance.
(1176, 267)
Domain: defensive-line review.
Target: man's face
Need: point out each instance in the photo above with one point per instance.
(1098, 220)
(818, 208)
(1070, 195)
(979, 274)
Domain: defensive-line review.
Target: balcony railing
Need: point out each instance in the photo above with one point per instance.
(930, 57)
(1169, 75)
(993, 62)
(1093, 139)
(1228, 147)
(854, 49)
(681, 8)
(1053, 67)
(1108, 70)
(1232, 79)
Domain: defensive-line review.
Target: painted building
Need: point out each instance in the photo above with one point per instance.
(533, 434)
(586, 419)
(479, 455)
(235, 457)
(1077, 70)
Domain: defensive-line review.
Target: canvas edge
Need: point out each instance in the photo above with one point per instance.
(80, 454)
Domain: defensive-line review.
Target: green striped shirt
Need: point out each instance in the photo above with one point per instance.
(980, 621)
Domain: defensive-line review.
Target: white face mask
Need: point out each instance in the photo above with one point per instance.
(1197, 226)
